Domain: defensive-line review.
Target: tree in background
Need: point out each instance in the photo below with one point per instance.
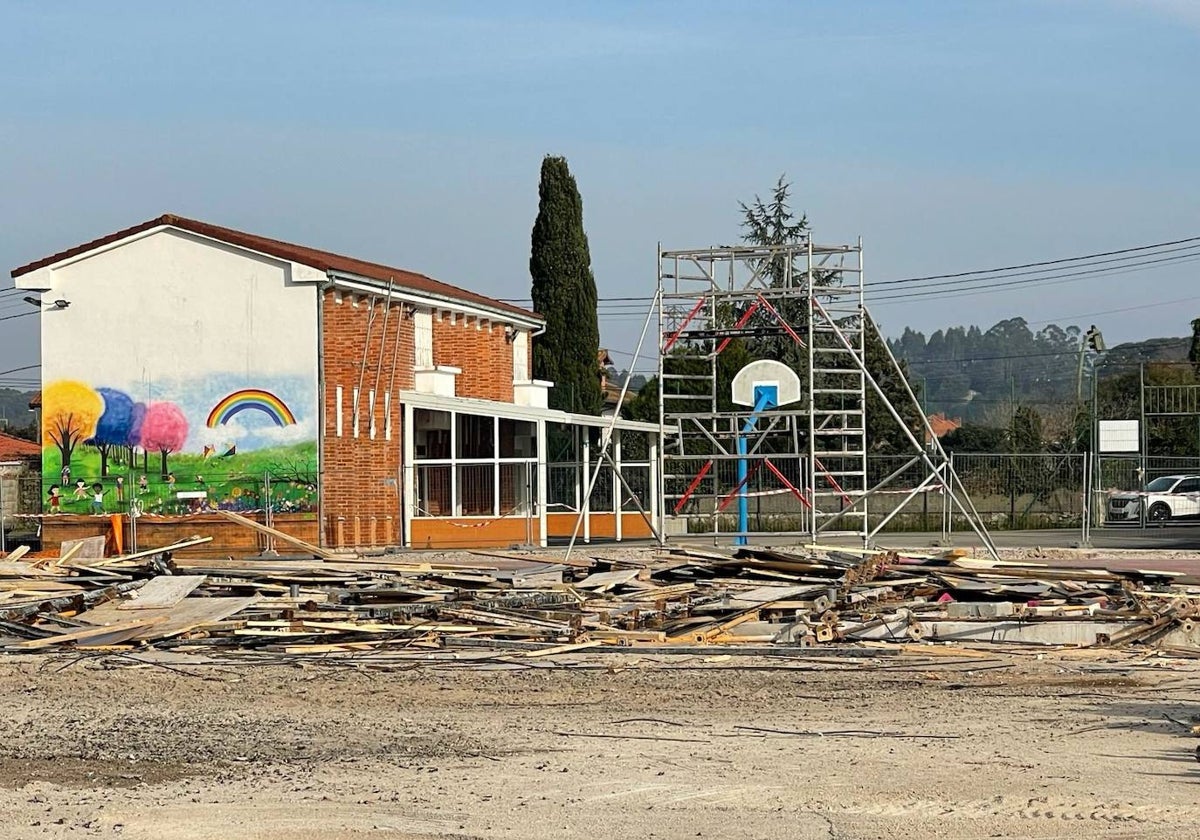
(112, 429)
(70, 410)
(773, 222)
(133, 434)
(1025, 430)
(970, 437)
(564, 292)
(164, 430)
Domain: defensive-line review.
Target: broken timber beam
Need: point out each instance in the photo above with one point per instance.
(306, 547)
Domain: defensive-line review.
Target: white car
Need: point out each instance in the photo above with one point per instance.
(1165, 498)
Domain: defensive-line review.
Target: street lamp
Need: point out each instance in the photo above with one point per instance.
(55, 304)
(1092, 340)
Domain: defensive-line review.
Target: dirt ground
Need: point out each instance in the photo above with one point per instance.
(613, 745)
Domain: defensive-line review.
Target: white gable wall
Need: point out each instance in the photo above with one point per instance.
(170, 305)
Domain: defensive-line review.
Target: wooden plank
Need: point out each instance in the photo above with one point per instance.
(162, 591)
(279, 535)
(557, 649)
(18, 552)
(88, 548)
(604, 581)
(76, 547)
(150, 552)
(626, 636)
(187, 615)
(87, 633)
(574, 563)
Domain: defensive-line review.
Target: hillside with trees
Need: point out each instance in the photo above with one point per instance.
(1016, 389)
(15, 416)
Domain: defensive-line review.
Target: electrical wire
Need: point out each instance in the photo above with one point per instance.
(1096, 264)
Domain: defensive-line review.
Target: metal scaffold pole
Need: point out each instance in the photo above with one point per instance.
(805, 464)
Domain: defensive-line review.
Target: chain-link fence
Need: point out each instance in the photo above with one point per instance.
(1152, 491)
(1024, 491)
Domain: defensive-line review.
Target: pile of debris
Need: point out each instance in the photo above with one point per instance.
(546, 604)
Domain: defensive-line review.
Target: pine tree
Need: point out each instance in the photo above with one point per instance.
(774, 223)
(564, 292)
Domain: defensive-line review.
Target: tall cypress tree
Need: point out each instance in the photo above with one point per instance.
(564, 292)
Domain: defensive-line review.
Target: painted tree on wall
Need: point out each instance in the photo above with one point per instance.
(164, 429)
(564, 292)
(133, 434)
(112, 429)
(70, 411)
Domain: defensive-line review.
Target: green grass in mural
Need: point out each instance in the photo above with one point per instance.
(236, 482)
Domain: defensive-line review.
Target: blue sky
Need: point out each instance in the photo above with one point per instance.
(949, 135)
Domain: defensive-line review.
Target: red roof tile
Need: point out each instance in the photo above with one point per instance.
(943, 425)
(323, 260)
(15, 447)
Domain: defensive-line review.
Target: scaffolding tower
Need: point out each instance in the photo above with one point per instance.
(804, 305)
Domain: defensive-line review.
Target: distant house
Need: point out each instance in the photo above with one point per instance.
(20, 484)
(610, 390)
(941, 425)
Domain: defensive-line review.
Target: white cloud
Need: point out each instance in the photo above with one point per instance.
(257, 436)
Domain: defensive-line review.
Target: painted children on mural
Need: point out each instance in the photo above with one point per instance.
(171, 483)
(81, 491)
(97, 498)
(120, 489)
(55, 499)
(65, 475)
(143, 485)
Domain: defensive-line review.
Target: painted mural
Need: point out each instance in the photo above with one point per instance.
(179, 447)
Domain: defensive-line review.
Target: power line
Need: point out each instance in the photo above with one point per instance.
(1044, 262)
(1117, 311)
(1049, 280)
(22, 315)
(1119, 265)
(19, 369)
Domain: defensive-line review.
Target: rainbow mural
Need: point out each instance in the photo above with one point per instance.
(251, 399)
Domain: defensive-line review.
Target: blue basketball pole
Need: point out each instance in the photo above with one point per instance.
(765, 396)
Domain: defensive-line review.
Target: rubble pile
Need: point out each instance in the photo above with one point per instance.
(544, 603)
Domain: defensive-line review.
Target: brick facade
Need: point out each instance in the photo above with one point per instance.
(367, 348)
(481, 349)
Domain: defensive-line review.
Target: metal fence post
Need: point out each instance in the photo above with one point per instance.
(1086, 524)
(947, 506)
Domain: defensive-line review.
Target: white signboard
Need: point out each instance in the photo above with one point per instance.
(1119, 436)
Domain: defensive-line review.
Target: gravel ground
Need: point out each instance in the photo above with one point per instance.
(169, 746)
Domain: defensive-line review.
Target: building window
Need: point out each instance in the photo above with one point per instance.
(431, 434)
(520, 348)
(423, 339)
(473, 465)
(476, 436)
(518, 438)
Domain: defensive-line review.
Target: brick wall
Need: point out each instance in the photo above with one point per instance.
(480, 348)
(228, 538)
(367, 347)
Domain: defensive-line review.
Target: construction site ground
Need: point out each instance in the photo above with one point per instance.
(906, 741)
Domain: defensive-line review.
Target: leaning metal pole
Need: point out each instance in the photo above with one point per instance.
(975, 520)
(606, 439)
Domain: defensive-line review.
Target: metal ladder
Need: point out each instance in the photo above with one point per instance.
(838, 390)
